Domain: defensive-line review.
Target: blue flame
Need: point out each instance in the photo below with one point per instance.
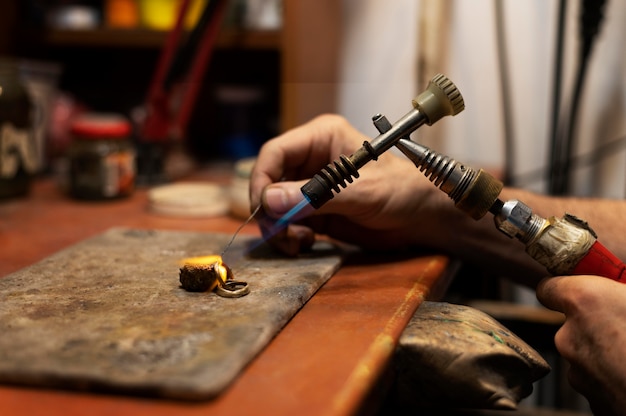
(300, 210)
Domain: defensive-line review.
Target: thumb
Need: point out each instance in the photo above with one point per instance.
(280, 197)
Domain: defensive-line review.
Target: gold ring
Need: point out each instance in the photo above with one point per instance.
(233, 289)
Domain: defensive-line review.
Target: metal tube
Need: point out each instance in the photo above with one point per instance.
(403, 127)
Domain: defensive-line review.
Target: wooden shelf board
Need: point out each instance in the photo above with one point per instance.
(107, 37)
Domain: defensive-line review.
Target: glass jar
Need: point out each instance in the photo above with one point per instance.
(18, 154)
(101, 157)
(240, 188)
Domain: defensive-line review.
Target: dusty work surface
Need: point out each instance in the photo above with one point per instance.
(109, 313)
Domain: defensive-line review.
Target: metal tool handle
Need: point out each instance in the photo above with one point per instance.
(567, 246)
(441, 98)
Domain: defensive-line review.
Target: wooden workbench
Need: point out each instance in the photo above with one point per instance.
(329, 359)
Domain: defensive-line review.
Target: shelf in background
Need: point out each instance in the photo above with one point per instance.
(147, 38)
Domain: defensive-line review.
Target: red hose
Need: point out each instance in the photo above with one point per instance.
(600, 261)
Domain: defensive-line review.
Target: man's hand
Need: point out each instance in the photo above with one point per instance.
(593, 337)
(390, 205)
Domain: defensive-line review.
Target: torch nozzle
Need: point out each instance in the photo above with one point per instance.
(473, 191)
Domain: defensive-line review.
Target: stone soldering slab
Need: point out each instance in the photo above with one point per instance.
(108, 314)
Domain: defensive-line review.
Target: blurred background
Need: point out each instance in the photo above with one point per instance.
(276, 64)
(102, 55)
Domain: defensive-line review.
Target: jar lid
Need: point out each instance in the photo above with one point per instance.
(243, 167)
(101, 125)
(189, 199)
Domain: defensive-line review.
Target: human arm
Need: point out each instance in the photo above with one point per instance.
(392, 205)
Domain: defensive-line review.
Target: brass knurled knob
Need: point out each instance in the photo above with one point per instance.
(441, 98)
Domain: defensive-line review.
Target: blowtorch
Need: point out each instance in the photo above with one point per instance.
(564, 245)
